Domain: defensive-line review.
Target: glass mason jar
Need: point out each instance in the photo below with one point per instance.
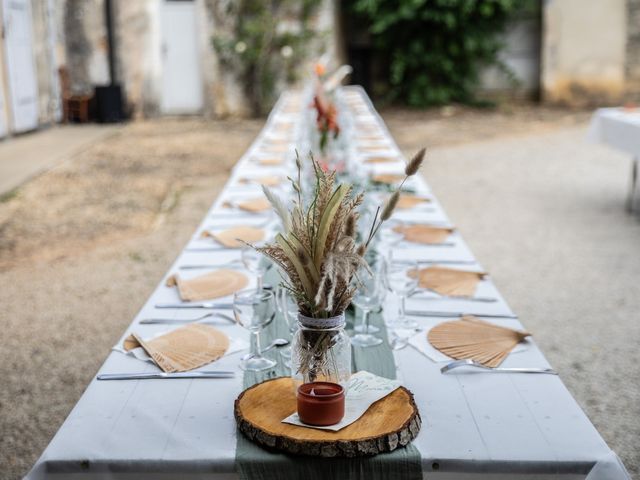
(321, 351)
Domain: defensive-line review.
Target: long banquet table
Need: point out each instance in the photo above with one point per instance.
(475, 425)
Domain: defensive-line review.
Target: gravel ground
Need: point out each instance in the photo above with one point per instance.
(82, 247)
(544, 213)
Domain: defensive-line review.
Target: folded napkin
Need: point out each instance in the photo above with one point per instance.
(236, 237)
(271, 161)
(284, 126)
(407, 201)
(254, 205)
(450, 281)
(375, 148)
(180, 350)
(268, 181)
(275, 147)
(475, 339)
(420, 342)
(219, 283)
(381, 159)
(388, 178)
(426, 234)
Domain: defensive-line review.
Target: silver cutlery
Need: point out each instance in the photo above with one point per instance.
(210, 305)
(208, 249)
(233, 263)
(263, 223)
(160, 375)
(472, 363)
(278, 342)
(402, 244)
(425, 295)
(432, 313)
(212, 315)
(238, 214)
(442, 262)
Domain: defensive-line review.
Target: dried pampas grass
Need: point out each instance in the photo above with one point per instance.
(317, 249)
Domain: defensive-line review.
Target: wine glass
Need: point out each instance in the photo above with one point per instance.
(288, 307)
(254, 310)
(401, 277)
(256, 263)
(369, 295)
(388, 236)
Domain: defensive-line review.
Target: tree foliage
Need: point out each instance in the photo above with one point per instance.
(434, 50)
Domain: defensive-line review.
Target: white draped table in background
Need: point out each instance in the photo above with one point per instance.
(475, 424)
(620, 128)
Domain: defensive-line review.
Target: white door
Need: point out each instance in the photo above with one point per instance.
(3, 117)
(181, 75)
(23, 86)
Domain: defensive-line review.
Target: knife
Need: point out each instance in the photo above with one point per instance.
(430, 313)
(210, 265)
(211, 305)
(148, 376)
(427, 297)
(207, 249)
(419, 245)
(443, 262)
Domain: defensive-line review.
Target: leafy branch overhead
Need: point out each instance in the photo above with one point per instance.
(317, 249)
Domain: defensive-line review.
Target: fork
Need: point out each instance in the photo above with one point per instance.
(262, 223)
(233, 263)
(423, 294)
(155, 321)
(472, 363)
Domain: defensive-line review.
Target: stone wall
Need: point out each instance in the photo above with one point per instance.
(633, 46)
(138, 52)
(584, 51)
(521, 56)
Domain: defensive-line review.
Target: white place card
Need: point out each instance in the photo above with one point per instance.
(363, 390)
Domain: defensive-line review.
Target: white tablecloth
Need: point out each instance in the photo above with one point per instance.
(475, 425)
(618, 128)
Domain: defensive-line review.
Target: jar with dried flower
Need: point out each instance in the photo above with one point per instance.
(321, 351)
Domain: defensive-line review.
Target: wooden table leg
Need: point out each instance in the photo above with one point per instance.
(632, 198)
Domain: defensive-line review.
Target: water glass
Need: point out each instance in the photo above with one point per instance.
(288, 307)
(256, 263)
(254, 310)
(369, 296)
(401, 278)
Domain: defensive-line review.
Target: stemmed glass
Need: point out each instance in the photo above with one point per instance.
(256, 263)
(401, 278)
(369, 295)
(288, 306)
(254, 310)
(388, 236)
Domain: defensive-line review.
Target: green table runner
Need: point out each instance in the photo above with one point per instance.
(256, 463)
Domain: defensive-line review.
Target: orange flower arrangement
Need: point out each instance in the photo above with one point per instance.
(326, 120)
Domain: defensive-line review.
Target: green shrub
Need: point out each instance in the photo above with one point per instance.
(433, 51)
(251, 42)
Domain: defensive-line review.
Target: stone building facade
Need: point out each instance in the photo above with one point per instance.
(575, 53)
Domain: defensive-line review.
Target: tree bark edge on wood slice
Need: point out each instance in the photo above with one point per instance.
(259, 410)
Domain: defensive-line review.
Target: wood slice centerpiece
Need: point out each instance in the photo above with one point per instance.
(389, 423)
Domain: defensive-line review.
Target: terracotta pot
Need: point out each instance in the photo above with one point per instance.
(320, 403)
